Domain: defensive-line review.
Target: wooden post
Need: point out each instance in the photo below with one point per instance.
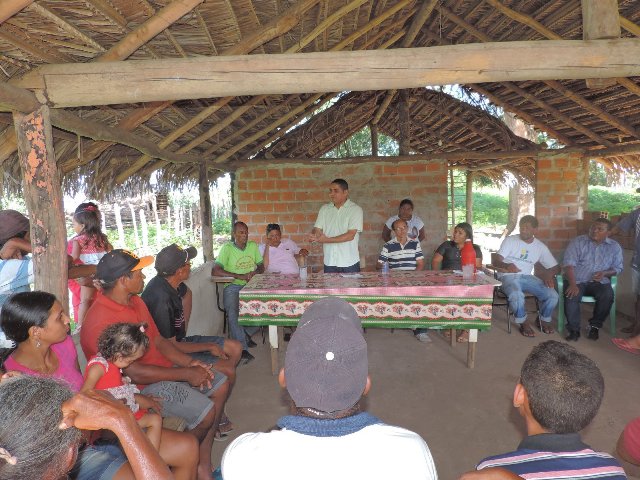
(374, 139)
(453, 198)
(121, 242)
(191, 230)
(154, 205)
(135, 227)
(234, 214)
(469, 197)
(404, 123)
(205, 214)
(168, 219)
(145, 231)
(600, 20)
(43, 196)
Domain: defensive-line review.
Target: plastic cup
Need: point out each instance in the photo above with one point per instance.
(303, 273)
(468, 271)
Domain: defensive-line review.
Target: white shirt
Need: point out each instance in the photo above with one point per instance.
(376, 452)
(525, 255)
(336, 221)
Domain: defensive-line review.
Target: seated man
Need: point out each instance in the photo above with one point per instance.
(240, 259)
(589, 263)
(188, 388)
(400, 253)
(559, 394)
(164, 296)
(327, 436)
(517, 257)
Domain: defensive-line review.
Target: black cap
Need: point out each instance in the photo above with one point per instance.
(171, 258)
(119, 262)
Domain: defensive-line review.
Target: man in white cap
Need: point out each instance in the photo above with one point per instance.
(327, 436)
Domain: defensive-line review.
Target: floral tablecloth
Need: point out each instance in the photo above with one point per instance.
(433, 299)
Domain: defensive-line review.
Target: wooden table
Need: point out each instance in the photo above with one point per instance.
(427, 299)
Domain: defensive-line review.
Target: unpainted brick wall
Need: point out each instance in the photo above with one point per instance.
(561, 199)
(291, 195)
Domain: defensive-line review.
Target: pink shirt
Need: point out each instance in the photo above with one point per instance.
(67, 371)
(281, 258)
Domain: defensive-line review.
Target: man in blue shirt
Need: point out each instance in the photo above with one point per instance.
(589, 263)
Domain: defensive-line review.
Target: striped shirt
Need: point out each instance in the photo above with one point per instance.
(588, 257)
(550, 456)
(401, 257)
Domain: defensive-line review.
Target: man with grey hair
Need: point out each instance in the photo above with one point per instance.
(326, 375)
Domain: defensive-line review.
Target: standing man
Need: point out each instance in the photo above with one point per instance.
(517, 257)
(628, 223)
(337, 228)
(241, 260)
(589, 263)
(327, 435)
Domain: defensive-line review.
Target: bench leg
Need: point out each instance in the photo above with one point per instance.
(274, 335)
(471, 348)
(452, 337)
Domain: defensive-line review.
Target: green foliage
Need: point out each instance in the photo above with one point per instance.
(597, 174)
(222, 225)
(614, 201)
(359, 144)
(490, 208)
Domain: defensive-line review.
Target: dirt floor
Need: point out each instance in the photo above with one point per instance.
(464, 415)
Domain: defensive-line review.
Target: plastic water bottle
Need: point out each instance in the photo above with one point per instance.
(468, 257)
(385, 267)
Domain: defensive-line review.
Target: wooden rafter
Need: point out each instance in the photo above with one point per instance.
(276, 27)
(8, 8)
(600, 19)
(520, 91)
(159, 22)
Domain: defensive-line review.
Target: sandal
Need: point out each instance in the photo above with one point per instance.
(624, 344)
(526, 330)
(545, 327)
(463, 336)
(220, 436)
(226, 427)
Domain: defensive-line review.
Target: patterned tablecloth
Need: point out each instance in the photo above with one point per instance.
(434, 299)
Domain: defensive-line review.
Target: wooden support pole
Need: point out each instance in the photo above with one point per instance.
(42, 188)
(205, 213)
(133, 81)
(374, 139)
(121, 240)
(145, 231)
(469, 197)
(600, 19)
(135, 227)
(404, 123)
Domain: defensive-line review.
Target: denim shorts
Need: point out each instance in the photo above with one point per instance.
(205, 357)
(179, 399)
(99, 461)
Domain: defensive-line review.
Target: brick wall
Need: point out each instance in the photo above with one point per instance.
(561, 199)
(291, 195)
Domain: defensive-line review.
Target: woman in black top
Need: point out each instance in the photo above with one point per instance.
(448, 257)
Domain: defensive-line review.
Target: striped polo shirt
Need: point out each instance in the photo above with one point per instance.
(550, 456)
(401, 257)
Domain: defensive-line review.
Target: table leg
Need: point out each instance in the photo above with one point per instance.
(452, 337)
(273, 342)
(471, 348)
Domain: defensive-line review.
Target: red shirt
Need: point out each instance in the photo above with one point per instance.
(105, 312)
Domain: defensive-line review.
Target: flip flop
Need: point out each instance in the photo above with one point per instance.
(623, 344)
(226, 427)
(220, 437)
(463, 336)
(545, 327)
(526, 330)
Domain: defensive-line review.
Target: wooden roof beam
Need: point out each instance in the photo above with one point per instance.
(419, 18)
(17, 99)
(204, 77)
(8, 8)
(600, 19)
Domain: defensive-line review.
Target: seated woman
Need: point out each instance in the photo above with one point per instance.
(41, 433)
(281, 255)
(39, 326)
(415, 224)
(448, 257)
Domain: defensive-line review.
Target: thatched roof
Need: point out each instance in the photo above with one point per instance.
(226, 132)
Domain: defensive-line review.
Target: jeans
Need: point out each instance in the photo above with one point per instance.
(602, 292)
(231, 301)
(515, 285)
(355, 268)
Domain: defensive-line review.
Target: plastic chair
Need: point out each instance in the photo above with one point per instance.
(585, 299)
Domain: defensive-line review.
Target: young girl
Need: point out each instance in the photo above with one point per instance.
(119, 346)
(88, 247)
